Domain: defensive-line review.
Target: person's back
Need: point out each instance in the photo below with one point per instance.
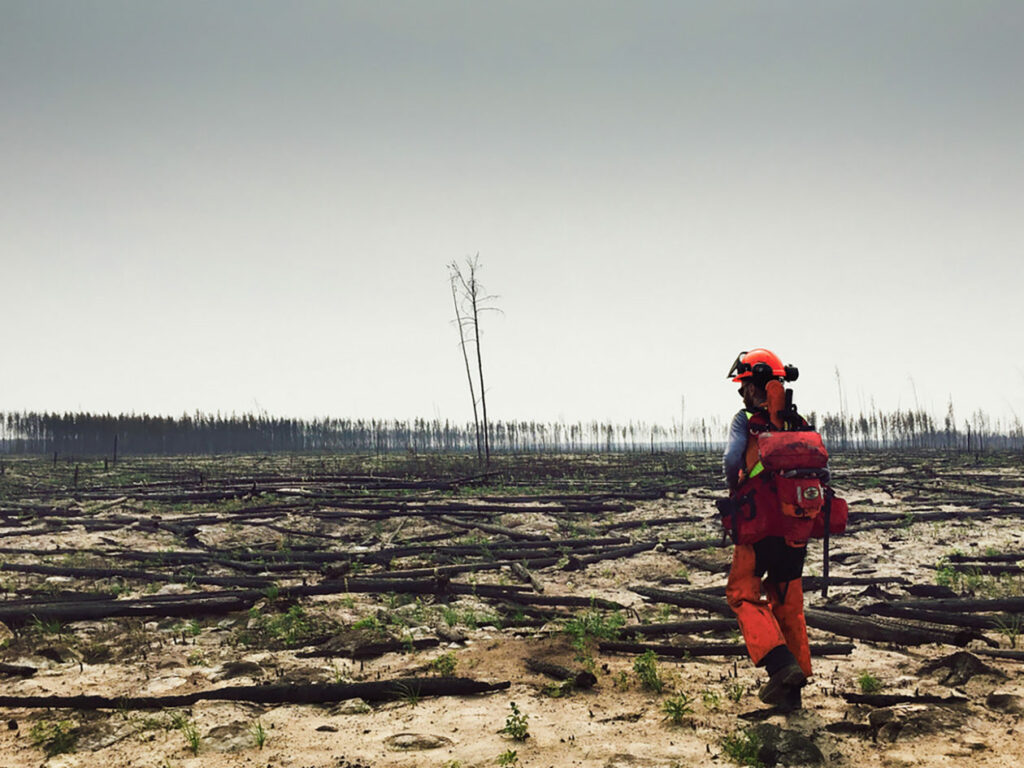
(774, 630)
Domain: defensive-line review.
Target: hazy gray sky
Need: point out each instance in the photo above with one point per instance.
(232, 205)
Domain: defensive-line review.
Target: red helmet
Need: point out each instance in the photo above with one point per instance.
(760, 364)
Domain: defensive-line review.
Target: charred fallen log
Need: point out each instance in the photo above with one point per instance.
(680, 627)
(627, 524)
(135, 575)
(94, 610)
(500, 549)
(951, 618)
(880, 630)
(966, 604)
(686, 650)
(578, 562)
(225, 601)
(693, 545)
(333, 649)
(1001, 653)
(580, 678)
(1002, 557)
(522, 573)
(904, 632)
(20, 670)
(500, 530)
(690, 599)
(888, 699)
(865, 521)
(385, 690)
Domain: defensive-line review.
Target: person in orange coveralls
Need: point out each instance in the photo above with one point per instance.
(774, 631)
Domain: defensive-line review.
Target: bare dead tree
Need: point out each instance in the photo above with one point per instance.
(455, 278)
(470, 300)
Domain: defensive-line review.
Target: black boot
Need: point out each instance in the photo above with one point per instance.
(792, 701)
(781, 685)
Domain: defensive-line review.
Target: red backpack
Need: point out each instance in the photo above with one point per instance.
(787, 492)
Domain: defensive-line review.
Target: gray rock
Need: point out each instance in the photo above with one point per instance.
(238, 669)
(351, 707)
(101, 735)
(960, 667)
(779, 745)
(416, 741)
(5, 635)
(173, 588)
(1005, 702)
(879, 717)
(905, 721)
(232, 737)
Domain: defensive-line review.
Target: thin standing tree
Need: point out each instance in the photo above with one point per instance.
(455, 278)
(470, 300)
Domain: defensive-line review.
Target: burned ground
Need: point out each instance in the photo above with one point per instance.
(333, 611)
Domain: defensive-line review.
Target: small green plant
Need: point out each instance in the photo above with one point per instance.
(188, 730)
(54, 737)
(676, 708)
(47, 626)
(289, 629)
(742, 748)
(589, 626)
(444, 664)
(197, 658)
(291, 626)
(369, 622)
(410, 695)
(621, 680)
(597, 625)
(868, 683)
(558, 690)
(452, 764)
(516, 724)
(972, 579)
(711, 700)
(735, 692)
(259, 733)
(1009, 626)
(508, 758)
(118, 589)
(474, 620)
(646, 668)
(338, 674)
(946, 575)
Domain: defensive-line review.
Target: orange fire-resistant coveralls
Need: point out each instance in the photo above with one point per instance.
(772, 567)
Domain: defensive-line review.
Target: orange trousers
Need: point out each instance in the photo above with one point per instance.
(779, 620)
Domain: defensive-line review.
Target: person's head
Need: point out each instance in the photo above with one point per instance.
(753, 395)
(754, 369)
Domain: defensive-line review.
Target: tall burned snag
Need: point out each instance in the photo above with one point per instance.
(470, 300)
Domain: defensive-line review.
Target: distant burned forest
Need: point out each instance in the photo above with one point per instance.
(86, 434)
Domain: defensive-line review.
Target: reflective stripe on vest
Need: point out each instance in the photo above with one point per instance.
(758, 468)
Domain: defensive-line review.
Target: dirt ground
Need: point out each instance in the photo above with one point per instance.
(617, 723)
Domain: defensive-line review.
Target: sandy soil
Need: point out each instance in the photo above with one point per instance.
(617, 724)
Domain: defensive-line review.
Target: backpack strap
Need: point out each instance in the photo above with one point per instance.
(757, 422)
